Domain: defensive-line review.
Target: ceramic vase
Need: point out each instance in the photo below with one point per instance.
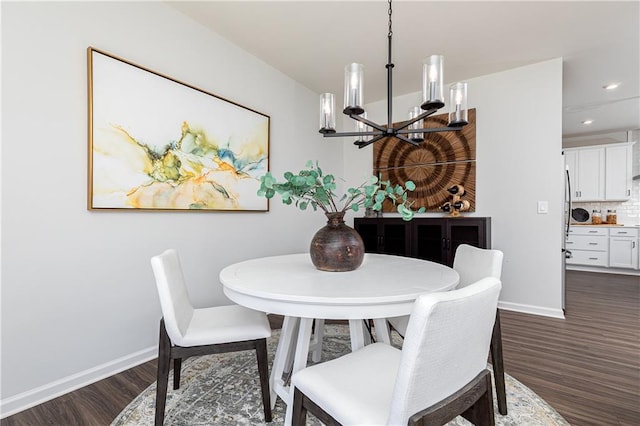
(336, 247)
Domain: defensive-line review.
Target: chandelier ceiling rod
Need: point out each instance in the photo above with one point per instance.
(410, 131)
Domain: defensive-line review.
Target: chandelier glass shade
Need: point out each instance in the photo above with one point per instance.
(411, 131)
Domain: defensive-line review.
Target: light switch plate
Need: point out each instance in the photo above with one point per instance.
(543, 207)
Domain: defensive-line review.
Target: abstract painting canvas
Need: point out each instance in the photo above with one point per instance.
(159, 144)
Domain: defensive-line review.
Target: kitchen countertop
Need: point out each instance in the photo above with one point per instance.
(604, 224)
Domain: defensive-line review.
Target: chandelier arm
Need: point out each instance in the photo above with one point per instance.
(430, 130)
(368, 122)
(407, 140)
(347, 134)
(362, 144)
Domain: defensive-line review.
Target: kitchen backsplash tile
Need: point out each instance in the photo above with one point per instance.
(628, 212)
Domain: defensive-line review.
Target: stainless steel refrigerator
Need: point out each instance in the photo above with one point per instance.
(566, 254)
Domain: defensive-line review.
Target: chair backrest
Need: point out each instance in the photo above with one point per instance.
(177, 309)
(445, 347)
(473, 264)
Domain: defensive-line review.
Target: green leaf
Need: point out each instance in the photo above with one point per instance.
(410, 185)
(303, 205)
(269, 180)
(370, 190)
(406, 213)
(269, 193)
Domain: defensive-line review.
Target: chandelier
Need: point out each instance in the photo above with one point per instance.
(410, 131)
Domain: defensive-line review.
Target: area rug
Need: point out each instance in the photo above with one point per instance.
(224, 390)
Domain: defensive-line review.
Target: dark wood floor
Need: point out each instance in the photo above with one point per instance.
(587, 366)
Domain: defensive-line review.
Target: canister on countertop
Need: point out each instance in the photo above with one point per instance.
(612, 217)
(596, 217)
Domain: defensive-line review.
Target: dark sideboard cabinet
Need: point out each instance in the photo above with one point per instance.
(434, 239)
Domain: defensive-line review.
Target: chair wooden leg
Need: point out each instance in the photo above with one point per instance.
(263, 371)
(481, 413)
(164, 362)
(177, 366)
(498, 367)
(299, 417)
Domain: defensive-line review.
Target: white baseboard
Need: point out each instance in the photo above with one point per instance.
(531, 309)
(603, 270)
(33, 397)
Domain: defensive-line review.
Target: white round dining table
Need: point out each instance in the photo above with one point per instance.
(289, 285)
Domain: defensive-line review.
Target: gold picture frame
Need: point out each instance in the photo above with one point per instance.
(156, 143)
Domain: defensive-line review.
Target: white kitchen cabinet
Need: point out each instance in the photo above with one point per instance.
(600, 172)
(587, 173)
(623, 248)
(588, 245)
(618, 172)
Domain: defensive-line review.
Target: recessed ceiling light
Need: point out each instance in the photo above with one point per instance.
(611, 86)
(587, 122)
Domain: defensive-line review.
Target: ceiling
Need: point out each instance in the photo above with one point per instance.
(312, 41)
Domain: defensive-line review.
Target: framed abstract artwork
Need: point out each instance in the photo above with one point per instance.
(159, 144)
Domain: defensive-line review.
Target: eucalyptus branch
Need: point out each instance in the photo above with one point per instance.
(311, 187)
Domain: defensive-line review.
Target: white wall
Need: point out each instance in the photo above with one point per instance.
(519, 161)
(78, 296)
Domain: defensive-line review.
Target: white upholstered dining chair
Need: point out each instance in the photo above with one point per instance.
(472, 264)
(439, 373)
(186, 331)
